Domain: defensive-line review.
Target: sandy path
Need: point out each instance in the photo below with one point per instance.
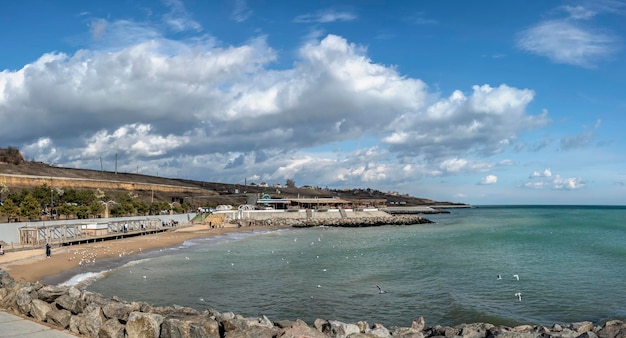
(32, 265)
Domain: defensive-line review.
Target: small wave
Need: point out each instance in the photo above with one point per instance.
(84, 279)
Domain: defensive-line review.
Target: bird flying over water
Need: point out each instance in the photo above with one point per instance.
(516, 277)
(380, 290)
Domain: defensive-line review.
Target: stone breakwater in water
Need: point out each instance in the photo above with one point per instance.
(349, 222)
(90, 314)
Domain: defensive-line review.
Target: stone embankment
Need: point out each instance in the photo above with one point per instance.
(89, 314)
(348, 222)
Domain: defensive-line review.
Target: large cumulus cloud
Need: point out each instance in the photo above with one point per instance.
(216, 112)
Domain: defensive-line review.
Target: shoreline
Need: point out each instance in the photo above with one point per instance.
(32, 265)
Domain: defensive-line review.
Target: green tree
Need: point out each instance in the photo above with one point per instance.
(30, 207)
(96, 208)
(9, 209)
(82, 211)
(65, 209)
(3, 190)
(141, 207)
(291, 183)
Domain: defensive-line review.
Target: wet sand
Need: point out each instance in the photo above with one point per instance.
(32, 265)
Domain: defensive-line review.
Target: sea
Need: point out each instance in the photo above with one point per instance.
(505, 265)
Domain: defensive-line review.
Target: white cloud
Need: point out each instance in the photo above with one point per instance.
(565, 42)
(574, 39)
(544, 173)
(547, 179)
(486, 122)
(241, 12)
(223, 112)
(178, 18)
(325, 16)
(489, 179)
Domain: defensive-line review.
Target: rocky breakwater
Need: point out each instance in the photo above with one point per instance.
(89, 314)
(349, 222)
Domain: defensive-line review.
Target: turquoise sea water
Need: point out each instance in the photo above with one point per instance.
(571, 263)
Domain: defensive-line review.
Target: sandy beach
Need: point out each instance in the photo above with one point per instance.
(32, 265)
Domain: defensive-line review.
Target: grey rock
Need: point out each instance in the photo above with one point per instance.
(60, 318)
(407, 332)
(70, 303)
(141, 324)
(119, 311)
(342, 330)
(5, 279)
(581, 327)
(51, 293)
(418, 324)
(321, 325)
(189, 326)
(475, 330)
(94, 319)
(111, 328)
(612, 329)
(39, 309)
(300, 330)
(24, 299)
(77, 324)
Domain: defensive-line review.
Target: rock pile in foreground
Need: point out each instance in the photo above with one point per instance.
(90, 314)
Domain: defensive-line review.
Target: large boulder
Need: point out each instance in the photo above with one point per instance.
(51, 293)
(70, 303)
(189, 326)
(300, 329)
(339, 329)
(142, 324)
(60, 318)
(89, 322)
(24, 299)
(612, 329)
(111, 328)
(119, 311)
(39, 309)
(5, 279)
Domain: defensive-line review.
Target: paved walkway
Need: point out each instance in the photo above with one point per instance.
(12, 326)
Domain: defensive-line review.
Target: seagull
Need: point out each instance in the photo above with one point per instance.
(380, 290)
(499, 277)
(144, 277)
(516, 277)
(519, 296)
(187, 258)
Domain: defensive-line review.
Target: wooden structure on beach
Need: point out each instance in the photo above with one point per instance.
(65, 234)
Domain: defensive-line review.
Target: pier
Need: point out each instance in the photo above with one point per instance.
(68, 234)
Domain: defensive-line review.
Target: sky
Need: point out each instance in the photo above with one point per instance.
(487, 102)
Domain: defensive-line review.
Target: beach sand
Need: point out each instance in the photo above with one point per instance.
(32, 265)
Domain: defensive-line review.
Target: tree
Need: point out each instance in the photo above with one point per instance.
(3, 190)
(65, 209)
(30, 207)
(96, 208)
(290, 183)
(9, 209)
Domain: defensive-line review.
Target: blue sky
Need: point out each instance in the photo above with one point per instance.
(489, 102)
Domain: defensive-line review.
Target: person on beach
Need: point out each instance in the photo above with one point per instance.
(48, 250)
(1, 250)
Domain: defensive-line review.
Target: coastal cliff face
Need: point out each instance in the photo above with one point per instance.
(89, 314)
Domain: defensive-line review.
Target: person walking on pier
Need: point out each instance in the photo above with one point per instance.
(48, 250)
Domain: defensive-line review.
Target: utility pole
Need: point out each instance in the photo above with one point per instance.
(115, 163)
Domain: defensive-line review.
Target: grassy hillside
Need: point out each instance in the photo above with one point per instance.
(203, 193)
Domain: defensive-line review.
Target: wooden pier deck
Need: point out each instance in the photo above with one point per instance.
(69, 234)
